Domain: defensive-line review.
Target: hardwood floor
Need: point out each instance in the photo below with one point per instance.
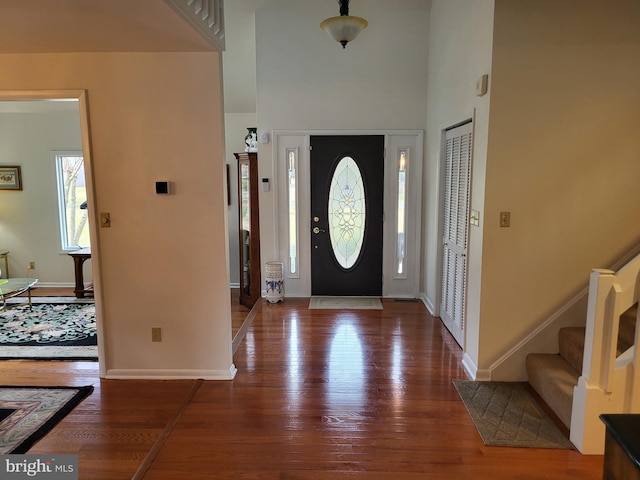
(319, 395)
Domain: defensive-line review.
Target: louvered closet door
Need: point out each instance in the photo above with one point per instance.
(457, 184)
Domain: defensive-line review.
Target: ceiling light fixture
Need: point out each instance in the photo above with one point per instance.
(344, 29)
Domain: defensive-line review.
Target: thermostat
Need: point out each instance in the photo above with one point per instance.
(162, 188)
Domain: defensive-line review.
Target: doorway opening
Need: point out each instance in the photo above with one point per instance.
(45, 127)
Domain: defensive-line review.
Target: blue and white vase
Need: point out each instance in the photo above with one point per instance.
(274, 278)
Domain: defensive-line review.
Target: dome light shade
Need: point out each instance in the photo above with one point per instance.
(345, 28)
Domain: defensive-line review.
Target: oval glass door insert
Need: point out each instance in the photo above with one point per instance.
(347, 212)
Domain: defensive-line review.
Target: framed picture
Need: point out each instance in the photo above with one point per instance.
(10, 178)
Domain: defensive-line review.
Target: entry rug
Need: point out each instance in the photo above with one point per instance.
(345, 303)
(48, 331)
(28, 413)
(506, 415)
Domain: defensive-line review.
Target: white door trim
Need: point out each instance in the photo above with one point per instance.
(299, 284)
(456, 319)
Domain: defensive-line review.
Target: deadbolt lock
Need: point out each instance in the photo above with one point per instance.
(316, 219)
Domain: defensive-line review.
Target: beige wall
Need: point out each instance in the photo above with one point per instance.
(562, 158)
(163, 262)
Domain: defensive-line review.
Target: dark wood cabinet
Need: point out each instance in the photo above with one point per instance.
(249, 228)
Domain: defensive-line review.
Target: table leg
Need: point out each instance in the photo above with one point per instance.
(6, 264)
(79, 291)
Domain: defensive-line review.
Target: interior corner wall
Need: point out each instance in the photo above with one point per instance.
(562, 158)
(460, 42)
(307, 81)
(162, 263)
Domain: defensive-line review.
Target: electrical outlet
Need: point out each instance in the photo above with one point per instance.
(32, 265)
(156, 334)
(505, 219)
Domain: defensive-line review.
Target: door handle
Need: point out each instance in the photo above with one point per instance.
(317, 230)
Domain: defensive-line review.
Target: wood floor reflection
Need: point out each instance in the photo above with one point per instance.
(319, 394)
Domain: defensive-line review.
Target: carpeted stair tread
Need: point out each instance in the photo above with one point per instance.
(553, 378)
(627, 329)
(571, 345)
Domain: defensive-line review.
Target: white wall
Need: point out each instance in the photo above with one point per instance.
(239, 64)
(29, 226)
(163, 263)
(306, 81)
(563, 157)
(460, 41)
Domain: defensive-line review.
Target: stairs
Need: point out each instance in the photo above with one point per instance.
(553, 376)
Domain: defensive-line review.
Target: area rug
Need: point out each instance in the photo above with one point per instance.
(345, 303)
(28, 413)
(505, 414)
(48, 331)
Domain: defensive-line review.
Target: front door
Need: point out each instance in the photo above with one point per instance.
(347, 186)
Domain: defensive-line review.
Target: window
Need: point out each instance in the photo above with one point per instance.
(401, 214)
(347, 212)
(72, 200)
(293, 208)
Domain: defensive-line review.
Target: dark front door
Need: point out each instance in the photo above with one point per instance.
(347, 180)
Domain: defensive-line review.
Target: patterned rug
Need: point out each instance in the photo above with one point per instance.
(506, 415)
(48, 331)
(28, 413)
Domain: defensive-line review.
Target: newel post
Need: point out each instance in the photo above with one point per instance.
(589, 398)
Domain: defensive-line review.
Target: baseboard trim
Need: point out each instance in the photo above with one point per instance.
(53, 285)
(244, 328)
(150, 374)
(427, 303)
(479, 375)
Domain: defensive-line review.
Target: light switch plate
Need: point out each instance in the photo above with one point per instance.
(482, 85)
(505, 219)
(475, 218)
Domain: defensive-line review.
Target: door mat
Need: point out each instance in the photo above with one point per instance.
(29, 413)
(506, 415)
(345, 303)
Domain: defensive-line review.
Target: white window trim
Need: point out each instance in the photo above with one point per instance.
(62, 227)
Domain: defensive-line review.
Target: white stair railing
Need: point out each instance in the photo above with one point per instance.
(607, 384)
(206, 16)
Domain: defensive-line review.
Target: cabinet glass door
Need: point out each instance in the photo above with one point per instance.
(245, 223)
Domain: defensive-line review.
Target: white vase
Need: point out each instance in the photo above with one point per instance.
(274, 279)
